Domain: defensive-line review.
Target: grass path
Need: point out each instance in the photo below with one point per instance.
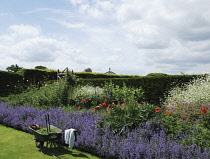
(20, 145)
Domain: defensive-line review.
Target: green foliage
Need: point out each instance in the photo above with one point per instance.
(155, 88)
(172, 125)
(124, 93)
(130, 116)
(10, 83)
(13, 68)
(56, 94)
(37, 77)
(200, 135)
(41, 67)
(90, 75)
(93, 95)
(157, 74)
(88, 70)
(189, 105)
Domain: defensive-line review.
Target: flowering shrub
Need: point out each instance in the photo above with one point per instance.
(149, 140)
(127, 116)
(188, 116)
(91, 95)
(196, 91)
(124, 93)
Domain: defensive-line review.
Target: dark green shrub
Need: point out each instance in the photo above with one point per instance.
(10, 83)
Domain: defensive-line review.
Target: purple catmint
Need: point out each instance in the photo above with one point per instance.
(149, 140)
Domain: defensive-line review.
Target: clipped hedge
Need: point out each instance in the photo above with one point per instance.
(10, 83)
(37, 76)
(155, 87)
(90, 75)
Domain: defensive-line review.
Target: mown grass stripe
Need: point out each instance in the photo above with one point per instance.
(20, 145)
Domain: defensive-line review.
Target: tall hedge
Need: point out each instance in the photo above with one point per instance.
(90, 75)
(155, 87)
(37, 76)
(10, 83)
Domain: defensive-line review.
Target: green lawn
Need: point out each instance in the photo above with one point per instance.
(20, 145)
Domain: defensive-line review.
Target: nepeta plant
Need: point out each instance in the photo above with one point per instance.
(149, 140)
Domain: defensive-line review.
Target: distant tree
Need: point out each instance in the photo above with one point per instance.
(41, 67)
(88, 70)
(157, 74)
(13, 68)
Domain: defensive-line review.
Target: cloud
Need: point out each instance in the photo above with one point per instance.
(96, 9)
(62, 12)
(4, 14)
(70, 25)
(24, 30)
(25, 44)
(38, 49)
(131, 37)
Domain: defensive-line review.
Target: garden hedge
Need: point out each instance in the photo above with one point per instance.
(37, 77)
(90, 75)
(10, 83)
(155, 87)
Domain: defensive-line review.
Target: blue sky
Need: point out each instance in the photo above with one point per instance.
(134, 37)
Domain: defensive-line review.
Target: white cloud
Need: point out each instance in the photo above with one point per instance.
(24, 30)
(131, 37)
(33, 48)
(70, 25)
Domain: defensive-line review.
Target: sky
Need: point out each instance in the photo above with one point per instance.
(132, 37)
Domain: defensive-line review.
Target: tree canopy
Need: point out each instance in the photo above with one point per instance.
(88, 70)
(41, 67)
(13, 68)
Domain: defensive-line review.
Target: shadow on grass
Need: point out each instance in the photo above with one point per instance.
(62, 151)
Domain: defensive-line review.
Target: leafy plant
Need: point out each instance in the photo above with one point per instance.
(55, 94)
(124, 93)
(129, 116)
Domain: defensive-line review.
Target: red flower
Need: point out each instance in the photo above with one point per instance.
(157, 109)
(93, 108)
(167, 113)
(97, 107)
(165, 107)
(79, 107)
(204, 111)
(84, 100)
(105, 100)
(103, 103)
(109, 107)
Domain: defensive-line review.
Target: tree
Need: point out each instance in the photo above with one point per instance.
(88, 70)
(13, 68)
(157, 74)
(41, 67)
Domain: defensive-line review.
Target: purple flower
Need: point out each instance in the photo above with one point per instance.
(147, 141)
